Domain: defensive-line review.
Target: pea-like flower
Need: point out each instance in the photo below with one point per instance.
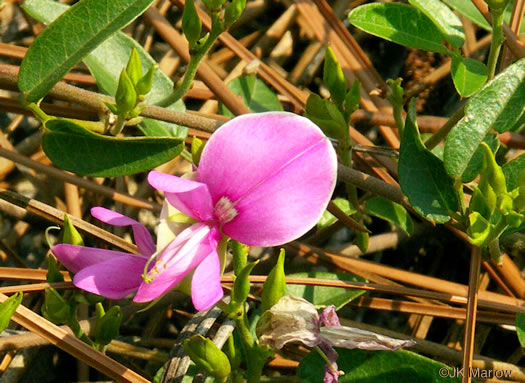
(294, 319)
(263, 180)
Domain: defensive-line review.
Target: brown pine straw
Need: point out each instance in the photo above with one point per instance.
(470, 323)
(73, 346)
(316, 255)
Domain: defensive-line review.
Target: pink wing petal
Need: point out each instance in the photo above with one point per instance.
(277, 168)
(190, 197)
(141, 235)
(76, 258)
(115, 278)
(179, 258)
(206, 289)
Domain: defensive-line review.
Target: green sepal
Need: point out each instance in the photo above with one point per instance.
(53, 274)
(333, 77)
(213, 5)
(327, 116)
(112, 107)
(479, 230)
(207, 356)
(144, 84)
(107, 327)
(55, 308)
(274, 287)
(126, 96)
(495, 175)
(233, 11)
(71, 234)
(352, 98)
(514, 219)
(191, 23)
(497, 4)
(361, 240)
(134, 67)
(8, 308)
(478, 203)
(197, 146)
(241, 286)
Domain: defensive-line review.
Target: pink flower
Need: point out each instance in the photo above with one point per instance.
(263, 179)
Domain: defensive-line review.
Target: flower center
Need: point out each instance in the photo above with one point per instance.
(224, 210)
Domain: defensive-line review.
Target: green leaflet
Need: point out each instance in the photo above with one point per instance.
(498, 105)
(322, 296)
(71, 37)
(399, 23)
(469, 75)
(444, 19)
(361, 366)
(422, 176)
(104, 156)
(255, 94)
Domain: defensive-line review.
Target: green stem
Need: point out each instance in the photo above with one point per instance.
(195, 60)
(496, 42)
(398, 117)
(254, 354)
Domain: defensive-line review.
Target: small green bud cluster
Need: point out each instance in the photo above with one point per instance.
(492, 208)
(333, 115)
(132, 87)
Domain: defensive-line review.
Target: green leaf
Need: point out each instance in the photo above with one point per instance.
(391, 212)
(71, 37)
(362, 366)
(444, 19)
(104, 156)
(469, 10)
(233, 11)
(107, 61)
(107, 328)
(469, 75)
(498, 105)
(191, 23)
(422, 176)
(321, 296)
(8, 308)
(520, 328)
(255, 94)
(399, 23)
(55, 309)
(476, 162)
(512, 169)
(328, 219)
(333, 77)
(327, 116)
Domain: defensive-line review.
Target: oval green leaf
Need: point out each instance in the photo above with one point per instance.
(8, 308)
(321, 296)
(72, 36)
(422, 176)
(107, 61)
(255, 94)
(391, 212)
(363, 366)
(469, 75)
(498, 106)
(399, 23)
(444, 19)
(96, 155)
